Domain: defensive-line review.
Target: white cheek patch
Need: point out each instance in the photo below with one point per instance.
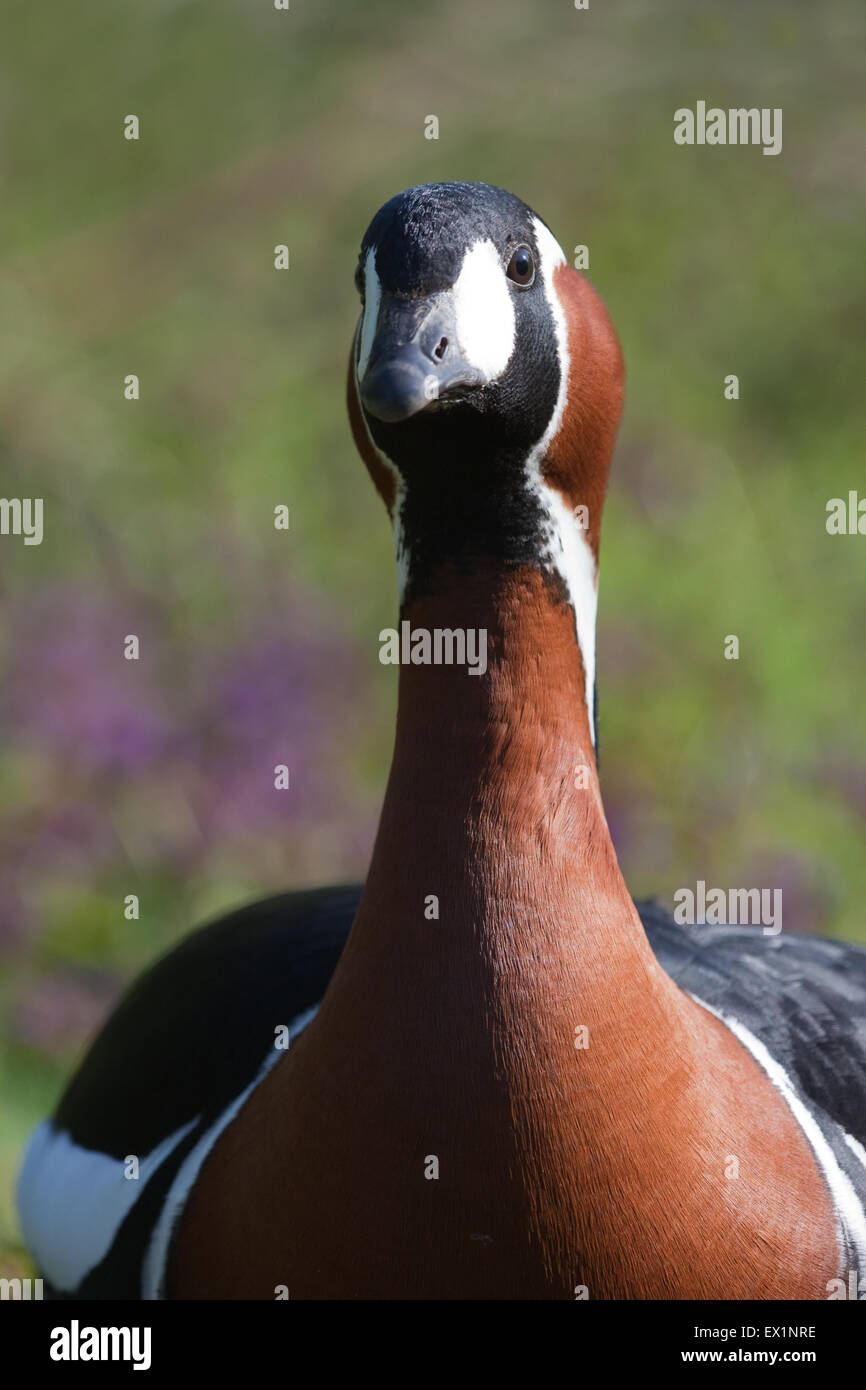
(484, 310)
(567, 547)
(372, 300)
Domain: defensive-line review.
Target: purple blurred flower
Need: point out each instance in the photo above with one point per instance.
(274, 701)
(165, 758)
(72, 692)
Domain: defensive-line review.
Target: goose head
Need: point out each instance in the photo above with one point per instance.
(485, 390)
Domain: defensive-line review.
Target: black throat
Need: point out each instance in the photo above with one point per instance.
(466, 496)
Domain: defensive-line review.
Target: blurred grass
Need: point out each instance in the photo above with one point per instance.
(260, 127)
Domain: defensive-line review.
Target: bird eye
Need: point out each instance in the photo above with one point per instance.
(521, 267)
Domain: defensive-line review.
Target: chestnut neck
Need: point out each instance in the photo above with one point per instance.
(493, 804)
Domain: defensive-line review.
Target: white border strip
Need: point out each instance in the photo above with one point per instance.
(848, 1206)
(154, 1267)
(568, 548)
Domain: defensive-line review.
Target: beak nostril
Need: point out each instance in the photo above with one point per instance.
(440, 348)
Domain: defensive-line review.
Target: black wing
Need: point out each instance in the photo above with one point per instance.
(187, 1039)
(192, 1032)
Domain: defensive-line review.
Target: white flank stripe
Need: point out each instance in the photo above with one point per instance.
(847, 1203)
(73, 1201)
(153, 1282)
(856, 1148)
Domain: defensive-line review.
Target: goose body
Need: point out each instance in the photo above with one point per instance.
(502, 1079)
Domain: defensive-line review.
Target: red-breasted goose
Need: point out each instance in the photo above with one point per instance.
(502, 1083)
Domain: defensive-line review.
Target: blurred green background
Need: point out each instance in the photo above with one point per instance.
(261, 127)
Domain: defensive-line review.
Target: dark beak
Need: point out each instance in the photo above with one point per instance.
(414, 360)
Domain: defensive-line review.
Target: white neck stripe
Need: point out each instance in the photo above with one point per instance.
(568, 548)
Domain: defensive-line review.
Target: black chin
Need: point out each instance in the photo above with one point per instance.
(466, 500)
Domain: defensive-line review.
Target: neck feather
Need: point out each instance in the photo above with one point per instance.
(493, 797)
